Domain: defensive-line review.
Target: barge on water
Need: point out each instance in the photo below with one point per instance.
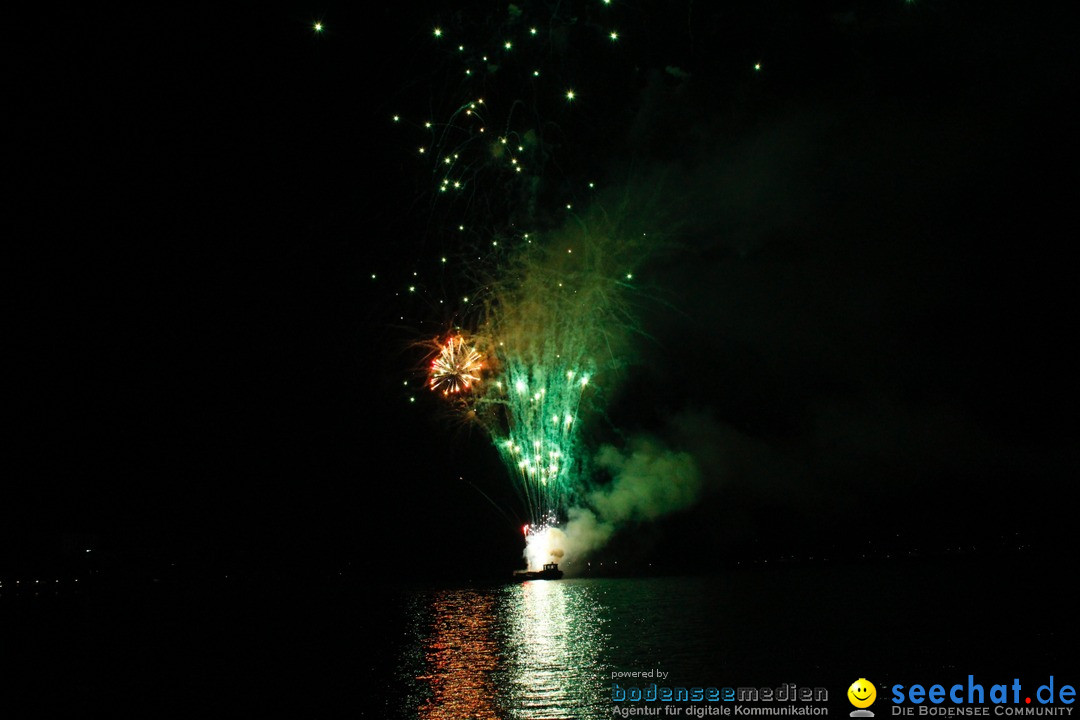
(551, 571)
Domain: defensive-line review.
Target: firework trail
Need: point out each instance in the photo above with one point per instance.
(556, 324)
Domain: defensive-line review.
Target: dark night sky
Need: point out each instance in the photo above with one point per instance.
(862, 332)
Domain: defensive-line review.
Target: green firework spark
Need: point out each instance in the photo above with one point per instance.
(557, 322)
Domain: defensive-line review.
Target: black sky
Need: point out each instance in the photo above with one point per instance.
(863, 331)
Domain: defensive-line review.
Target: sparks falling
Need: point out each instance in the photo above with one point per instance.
(553, 323)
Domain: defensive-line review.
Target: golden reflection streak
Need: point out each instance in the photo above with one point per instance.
(532, 651)
(461, 657)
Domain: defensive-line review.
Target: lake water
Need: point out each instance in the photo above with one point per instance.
(550, 649)
(542, 649)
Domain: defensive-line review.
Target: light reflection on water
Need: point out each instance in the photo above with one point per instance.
(548, 649)
(460, 657)
(532, 650)
(558, 634)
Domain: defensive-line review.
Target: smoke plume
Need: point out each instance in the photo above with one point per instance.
(648, 481)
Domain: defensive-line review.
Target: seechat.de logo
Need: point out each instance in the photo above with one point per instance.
(862, 695)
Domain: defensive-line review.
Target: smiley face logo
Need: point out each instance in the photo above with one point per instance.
(862, 693)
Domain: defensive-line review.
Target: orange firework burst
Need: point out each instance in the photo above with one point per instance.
(456, 367)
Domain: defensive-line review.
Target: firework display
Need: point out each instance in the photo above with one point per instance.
(534, 267)
(456, 368)
(549, 329)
